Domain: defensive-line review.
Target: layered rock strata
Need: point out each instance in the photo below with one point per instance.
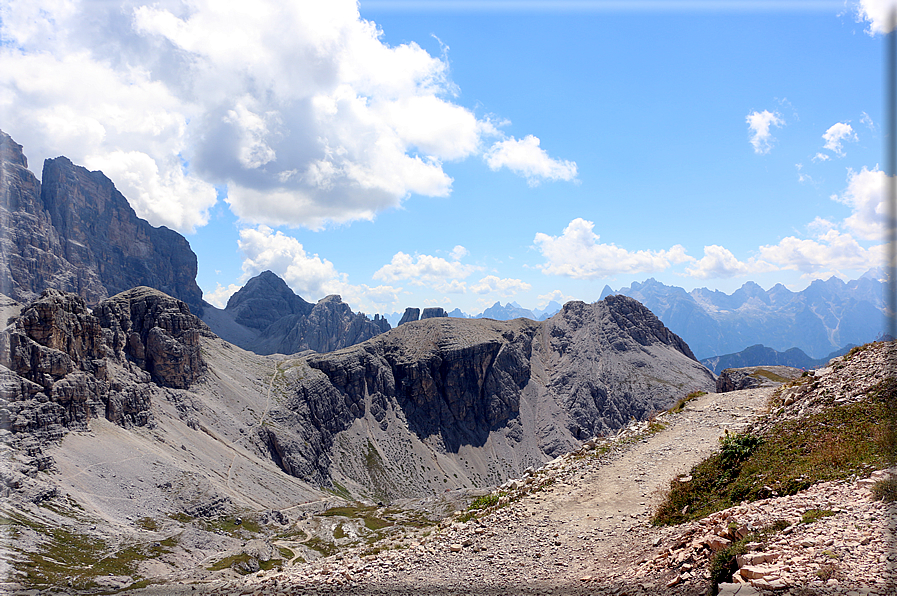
(63, 364)
(475, 401)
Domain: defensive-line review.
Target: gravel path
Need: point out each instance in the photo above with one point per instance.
(575, 536)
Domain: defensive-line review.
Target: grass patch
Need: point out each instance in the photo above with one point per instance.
(67, 556)
(885, 490)
(838, 443)
(812, 515)
(768, 374)
(680, 404)
(148, 523)
(339, 531)
(228, 524)
(323, 547)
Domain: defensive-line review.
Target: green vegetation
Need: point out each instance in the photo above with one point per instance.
(69, 556)
(837, 443)
(148, 523)
(811, 515)
(339, 531)
(228, 524)
(680, 405)
(325, 548)
(885, 490)
(768, 374)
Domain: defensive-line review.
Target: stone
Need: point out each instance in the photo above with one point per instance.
(411, 315)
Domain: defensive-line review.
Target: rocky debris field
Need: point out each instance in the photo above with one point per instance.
(582, 524)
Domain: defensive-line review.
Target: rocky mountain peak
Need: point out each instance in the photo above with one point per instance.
(263, 300)
(75, 232)
(11, 152)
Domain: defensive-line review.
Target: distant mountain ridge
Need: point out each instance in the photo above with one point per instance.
(823, 318)
(760, 355)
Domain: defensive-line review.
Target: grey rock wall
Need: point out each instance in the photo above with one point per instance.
(75, 232)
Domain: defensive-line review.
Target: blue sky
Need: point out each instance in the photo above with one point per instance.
(457, 154)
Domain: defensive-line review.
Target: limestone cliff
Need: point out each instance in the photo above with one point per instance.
(450, 399)
(74, 232)
(63, 364)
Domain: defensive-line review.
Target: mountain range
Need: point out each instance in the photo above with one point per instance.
(823, 318)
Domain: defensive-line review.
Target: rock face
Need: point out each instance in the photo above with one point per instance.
(264, 300)
(76, 233)
(411, 314)
(477, 398)
(63, 364)
(432, 313)
(266, 317)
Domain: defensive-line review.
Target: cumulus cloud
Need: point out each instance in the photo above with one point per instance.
(426, 270)
(300, 109)
(578, 253)
(492, 284)
(836, 136)
(821, 156)
(829, 252)
(221, 295)
(877, 13)
(719, 262)
(309, 275)
(759, 124)
(526, 158)
(865, 195)
(264, 249)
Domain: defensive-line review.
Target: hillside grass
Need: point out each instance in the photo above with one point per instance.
(842, 441)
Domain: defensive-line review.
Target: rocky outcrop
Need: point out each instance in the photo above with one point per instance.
(519, 390)
(411, 314)
(750, 377)
(62, 364)
(75, 232)
(266, 317)
(433, 312)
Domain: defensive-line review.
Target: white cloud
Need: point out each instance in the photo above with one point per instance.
(74, 106)
(759, 124)
(877, 13)
(458, 253)
(221, 294)
(719, 262)
(829, 252)
(558, 296)
(300, 108)
(507, 287)
(836, 135)
(310, 276)
(526, 158)
(577, 253)
(867, 120)
(865, 194)
(821, 156)
(428, 270)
